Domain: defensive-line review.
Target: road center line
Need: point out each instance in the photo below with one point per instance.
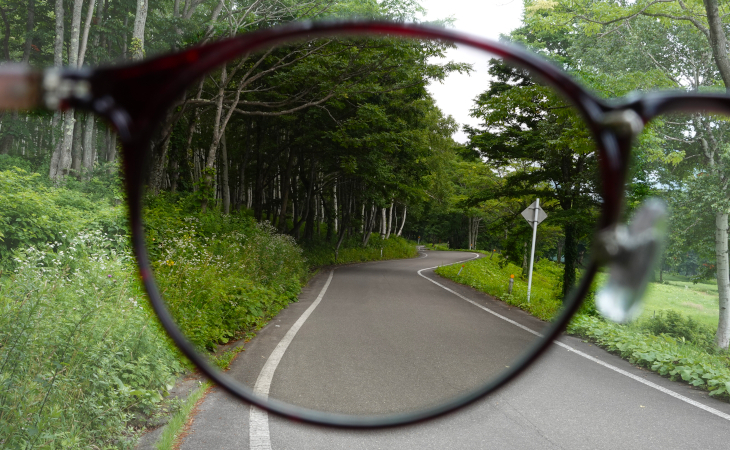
(567, 347)
(258, 422)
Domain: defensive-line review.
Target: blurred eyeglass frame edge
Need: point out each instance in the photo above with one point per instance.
(133, 97)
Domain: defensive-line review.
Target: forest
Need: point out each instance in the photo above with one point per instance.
(318, 152)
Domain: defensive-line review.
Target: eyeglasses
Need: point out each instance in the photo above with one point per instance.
(535, 119)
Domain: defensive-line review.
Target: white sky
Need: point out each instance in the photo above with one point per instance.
(486, 18)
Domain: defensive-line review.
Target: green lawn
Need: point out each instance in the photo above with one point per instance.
(698, 301)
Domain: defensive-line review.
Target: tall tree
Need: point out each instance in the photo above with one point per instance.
(606, 18)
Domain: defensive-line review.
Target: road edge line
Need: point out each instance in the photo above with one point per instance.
(258, 422)
(567, 347)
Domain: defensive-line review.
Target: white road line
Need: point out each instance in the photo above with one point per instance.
(681, 397)
(258, 422)
(646, 382)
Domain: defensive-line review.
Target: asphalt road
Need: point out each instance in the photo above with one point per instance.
(383, 339)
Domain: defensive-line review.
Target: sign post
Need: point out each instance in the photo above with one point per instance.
(534, 215)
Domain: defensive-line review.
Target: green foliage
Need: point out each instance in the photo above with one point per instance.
(222, 277)
(677, 326)
(8, 162)
(664, 354)
(489, 276)
(33, 214)
(351, 251)
(79, 350)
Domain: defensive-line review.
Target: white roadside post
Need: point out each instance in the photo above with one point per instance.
(534, 215)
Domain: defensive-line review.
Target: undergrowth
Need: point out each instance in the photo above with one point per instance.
(80, 352)
(491, 276)
(676, 358)
(668, 343)
(323, 253)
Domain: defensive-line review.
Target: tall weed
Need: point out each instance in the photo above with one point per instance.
(220, 286)
(79, 350)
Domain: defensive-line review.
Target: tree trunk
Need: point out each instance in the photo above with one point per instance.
(334, 198)
(58, 41)
(403, 221)
(285, 180)
(62, 158)
(661, 272)
(85, 35)
(718, 40)
(89, 149)
(560, 251)
(224, 177)
(124, 35)
(73, 52)
(468, 232)
(6, 40)
(722, 338)
(390, 220)
(370, 225)
(76, 146)
(524, 260)
(140, 18)
(571, 252)
(111, 150)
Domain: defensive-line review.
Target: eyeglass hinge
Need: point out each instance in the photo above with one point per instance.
(57, 88)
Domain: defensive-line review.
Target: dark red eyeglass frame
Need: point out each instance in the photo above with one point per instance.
(134, 97)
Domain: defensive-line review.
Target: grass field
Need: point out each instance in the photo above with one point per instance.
(698, 301)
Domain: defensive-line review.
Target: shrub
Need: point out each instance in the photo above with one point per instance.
(33, 214)
(673, 324)
(670, 357)
(221, 286)
(80, 352)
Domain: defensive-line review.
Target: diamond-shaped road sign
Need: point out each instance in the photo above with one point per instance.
(529, 213)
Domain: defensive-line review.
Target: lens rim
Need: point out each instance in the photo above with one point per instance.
(169, 76)
(134, 147)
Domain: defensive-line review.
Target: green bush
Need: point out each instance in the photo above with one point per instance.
(673, 324)
(221, 278)
(80, 352)
(674, 358)
(8, 162)
(33, 214)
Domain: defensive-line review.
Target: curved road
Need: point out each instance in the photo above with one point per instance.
(382, 338)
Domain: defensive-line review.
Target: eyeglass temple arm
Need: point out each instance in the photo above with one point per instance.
(20, 87)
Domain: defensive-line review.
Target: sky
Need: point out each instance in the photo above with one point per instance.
(485, 18)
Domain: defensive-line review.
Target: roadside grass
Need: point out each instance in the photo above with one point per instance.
(677, 359)
(488, 276)
(322, 253)
(677, 293)
(177, 423)
(673, 336)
